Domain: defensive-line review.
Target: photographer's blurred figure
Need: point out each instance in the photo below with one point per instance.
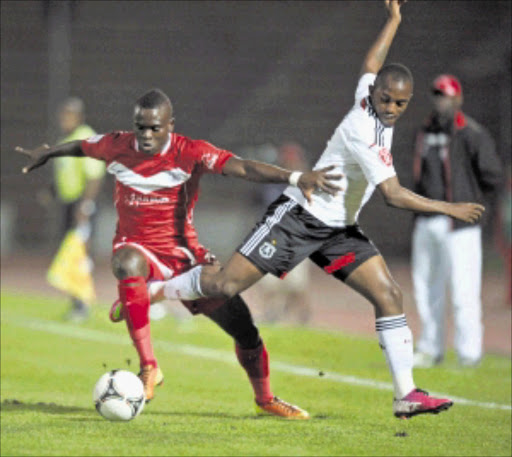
(77, 182)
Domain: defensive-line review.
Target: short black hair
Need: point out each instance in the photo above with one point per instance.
(395, 71)
(154, 98)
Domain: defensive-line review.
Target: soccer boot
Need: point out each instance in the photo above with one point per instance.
(150, 376)
(418, 401)
(116, 311)
(278, 407)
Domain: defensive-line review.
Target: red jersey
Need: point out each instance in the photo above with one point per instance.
(155, 194)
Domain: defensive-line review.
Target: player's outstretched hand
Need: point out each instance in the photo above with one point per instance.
(467, 212)
(393, 7)
(319, 180)
(38, 156)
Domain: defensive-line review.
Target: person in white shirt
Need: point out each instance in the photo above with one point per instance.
(324, 227)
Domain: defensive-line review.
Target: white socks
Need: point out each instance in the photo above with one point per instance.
(395, 339)
(182, 287)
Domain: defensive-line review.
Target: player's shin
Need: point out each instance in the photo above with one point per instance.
(395, 339)
(133, 292)
(255, 363)
(182, 287)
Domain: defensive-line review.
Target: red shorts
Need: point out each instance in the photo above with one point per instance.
(180, 260)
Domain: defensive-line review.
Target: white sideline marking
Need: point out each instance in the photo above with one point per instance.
(220, 356)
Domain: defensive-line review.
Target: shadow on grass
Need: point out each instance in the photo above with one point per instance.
(223, 415)
(9, 405)
(50, 408)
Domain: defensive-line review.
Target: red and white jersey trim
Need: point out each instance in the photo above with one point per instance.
(147, 184)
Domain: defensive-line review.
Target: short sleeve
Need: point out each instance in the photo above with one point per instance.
(375, 161)
(210, 158)
(98, 146)
(362, 89)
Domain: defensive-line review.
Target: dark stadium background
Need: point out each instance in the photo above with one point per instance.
(241, 75)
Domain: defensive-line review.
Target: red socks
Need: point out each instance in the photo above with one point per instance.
(255, 363)
(133, 292)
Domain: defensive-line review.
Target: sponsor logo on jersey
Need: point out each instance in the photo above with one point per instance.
(210, 159)
(267, 250)
(386, 157)
(140, 200)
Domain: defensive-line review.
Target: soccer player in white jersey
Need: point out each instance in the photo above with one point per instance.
(157, 174)
(324, 227)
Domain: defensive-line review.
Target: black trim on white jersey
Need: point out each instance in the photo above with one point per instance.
(379, 132)
(371, 109)
(379, 127)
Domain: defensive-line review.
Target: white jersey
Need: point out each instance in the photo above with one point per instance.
(360, 149)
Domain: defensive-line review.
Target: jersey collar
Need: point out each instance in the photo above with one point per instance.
(366, 104)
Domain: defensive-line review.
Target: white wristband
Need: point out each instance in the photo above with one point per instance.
(294, 178)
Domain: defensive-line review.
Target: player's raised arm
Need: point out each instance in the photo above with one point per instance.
(307, 182)
(43, 153)
(379, 49)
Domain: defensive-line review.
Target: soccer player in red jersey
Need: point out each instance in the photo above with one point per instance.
(157, 175)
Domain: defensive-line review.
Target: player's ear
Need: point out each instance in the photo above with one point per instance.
(171, 124)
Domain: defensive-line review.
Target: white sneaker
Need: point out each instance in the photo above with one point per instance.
(423, 360)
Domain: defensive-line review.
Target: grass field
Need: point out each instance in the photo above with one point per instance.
(205, 407)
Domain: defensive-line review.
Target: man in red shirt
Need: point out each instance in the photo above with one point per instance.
(157, 176)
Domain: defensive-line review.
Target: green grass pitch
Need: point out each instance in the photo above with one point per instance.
(205, 407)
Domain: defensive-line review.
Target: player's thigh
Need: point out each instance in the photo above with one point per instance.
(285, 236)
(352, 258)
(222, 284)
(373, 280)
(344, 252)
(238, 274)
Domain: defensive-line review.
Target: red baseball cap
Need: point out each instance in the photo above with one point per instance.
(448, 85)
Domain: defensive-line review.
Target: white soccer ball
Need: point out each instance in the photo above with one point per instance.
(119, 395)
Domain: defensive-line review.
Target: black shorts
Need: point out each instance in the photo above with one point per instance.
(287, 234)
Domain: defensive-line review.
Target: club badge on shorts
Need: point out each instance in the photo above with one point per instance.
(267, 250)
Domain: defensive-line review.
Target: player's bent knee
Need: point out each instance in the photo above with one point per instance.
(128, 262)
(396, 294)
(392, 302)
(218, 285)
(226, 289)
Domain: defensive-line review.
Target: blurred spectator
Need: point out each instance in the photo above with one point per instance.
(286, 298)
(455, 160)
(77, 183)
